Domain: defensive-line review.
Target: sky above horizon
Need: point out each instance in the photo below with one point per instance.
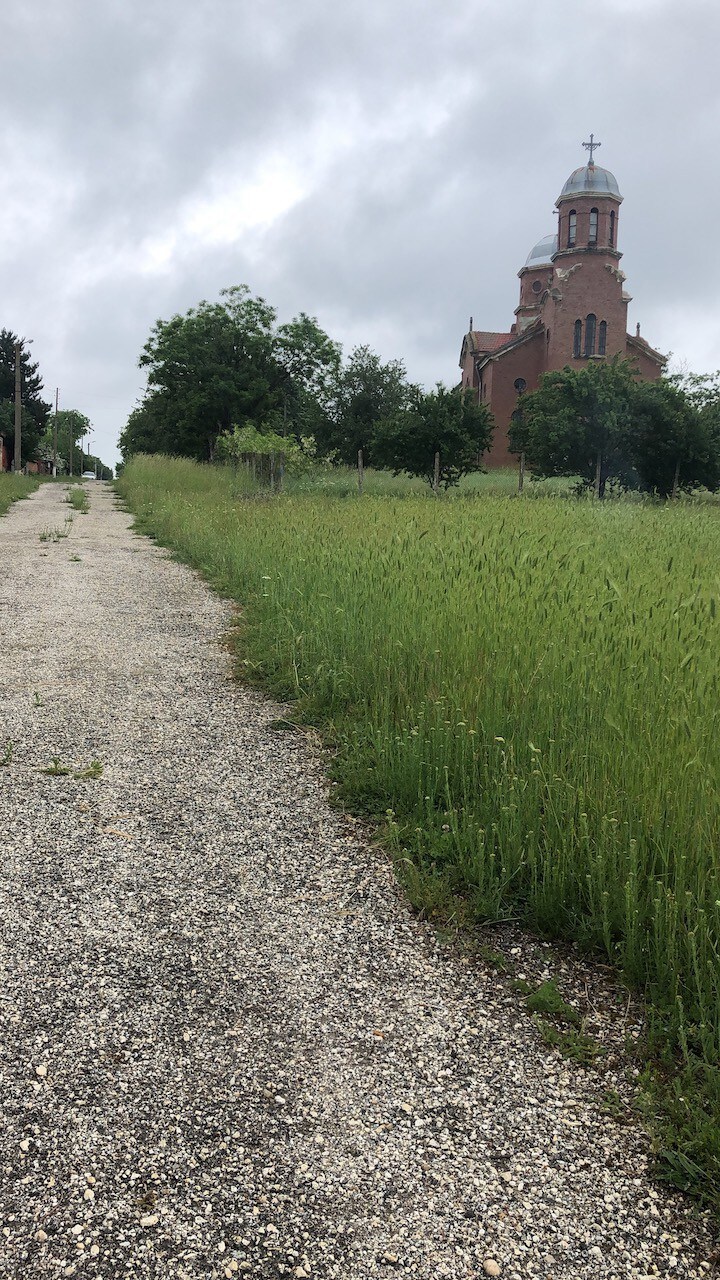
(384, 167)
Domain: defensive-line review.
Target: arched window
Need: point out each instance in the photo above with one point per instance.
(602, 337)
(572, 228)
(520, 385)
(612, 228)
(593, 233)
(590, 322)
(577, 339)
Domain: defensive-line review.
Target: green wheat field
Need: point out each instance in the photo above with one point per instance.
(526, 692)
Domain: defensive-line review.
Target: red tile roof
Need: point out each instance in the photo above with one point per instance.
(491, 341)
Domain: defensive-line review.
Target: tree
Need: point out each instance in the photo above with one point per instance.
(449, 423)
(703, 392)
(34, 408)
(225, 363)
(576, 423)
(366, 392)
(72, 426)
(670, 440)
(310, 362)
(207, 369)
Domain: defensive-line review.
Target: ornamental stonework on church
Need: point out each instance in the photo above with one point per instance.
(572, 308)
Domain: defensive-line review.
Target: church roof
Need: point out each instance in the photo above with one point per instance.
(541, 253)
(485, 341)
(590, 180)
(634, 340)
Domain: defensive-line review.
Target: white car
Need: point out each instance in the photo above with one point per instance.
(88, 475)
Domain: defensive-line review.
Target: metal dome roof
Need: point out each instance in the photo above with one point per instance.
(541, 253)
(590, 180)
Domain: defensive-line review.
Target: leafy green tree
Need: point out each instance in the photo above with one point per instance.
(449, 423)
(310, 364)
(72, 427)
(670, 440)
(206, 369)
(366, 392)
(576, 424)
(225, 363)
(703, 392)
(146, 430)
(34, 409)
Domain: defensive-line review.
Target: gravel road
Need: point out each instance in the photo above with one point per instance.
(226, 1047)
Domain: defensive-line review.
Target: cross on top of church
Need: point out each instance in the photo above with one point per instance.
(591, 146)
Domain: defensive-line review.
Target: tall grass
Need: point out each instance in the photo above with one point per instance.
(342, 482)
(13, 487)
(528, 690)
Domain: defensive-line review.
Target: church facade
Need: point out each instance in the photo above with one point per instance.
(572, 308)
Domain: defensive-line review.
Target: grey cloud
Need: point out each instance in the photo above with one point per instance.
(456, 126)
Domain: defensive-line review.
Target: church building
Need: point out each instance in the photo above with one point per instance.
(572, 309)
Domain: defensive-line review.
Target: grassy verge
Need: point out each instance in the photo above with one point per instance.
(526, 693)
(13, 487)
(342, 482)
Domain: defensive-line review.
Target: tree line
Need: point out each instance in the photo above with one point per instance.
(601, 424)
(229, 367)
(227, 372)
(37, 420)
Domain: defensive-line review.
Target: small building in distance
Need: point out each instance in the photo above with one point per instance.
(572, 309)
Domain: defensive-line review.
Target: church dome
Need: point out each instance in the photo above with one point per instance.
(590, 180)
(541, 254)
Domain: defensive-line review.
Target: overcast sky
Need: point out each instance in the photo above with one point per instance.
(384, 166)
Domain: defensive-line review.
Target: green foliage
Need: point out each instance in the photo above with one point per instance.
(450, 423)
(547, 999)
(576, 423)
(602, 424)
(571, 1043)
(13, 487)
(310, 362)
(34, 409)
(682, 1109)
(226, 363)
(79, 501)
(367, 391)
(72, 427)
(248, 442)
(670, 441)
(229, 363)
(206, 369)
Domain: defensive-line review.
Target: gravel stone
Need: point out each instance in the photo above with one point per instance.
(217, 1012)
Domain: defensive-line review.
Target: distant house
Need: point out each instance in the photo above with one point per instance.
(573, 308)
(37, 467)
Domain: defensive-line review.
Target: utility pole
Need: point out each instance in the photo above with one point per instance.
(57, 393)
(18, 410)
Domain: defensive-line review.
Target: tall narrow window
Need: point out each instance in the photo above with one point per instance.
(590, 334)
(593, 233)
(602, 337)
(612, 228)
(572, 229)
(577, 338)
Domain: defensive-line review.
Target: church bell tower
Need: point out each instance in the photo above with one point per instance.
(586, 311)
